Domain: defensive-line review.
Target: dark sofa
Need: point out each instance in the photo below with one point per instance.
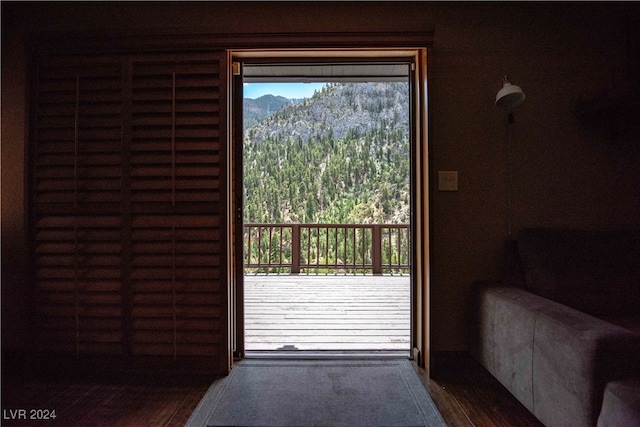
(562, 330)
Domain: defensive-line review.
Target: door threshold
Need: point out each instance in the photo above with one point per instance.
(327, 354)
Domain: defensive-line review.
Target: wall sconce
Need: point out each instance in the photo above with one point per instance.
(507, 98)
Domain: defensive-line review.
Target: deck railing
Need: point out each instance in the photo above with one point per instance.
(320, 248)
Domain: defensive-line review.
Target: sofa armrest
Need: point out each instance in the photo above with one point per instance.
(554, 359)
(504, 334)
(575, 356)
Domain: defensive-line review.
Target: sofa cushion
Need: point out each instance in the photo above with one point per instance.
(597, 272)
(621, 404)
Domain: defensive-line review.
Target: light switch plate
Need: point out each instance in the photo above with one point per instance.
(448, 180)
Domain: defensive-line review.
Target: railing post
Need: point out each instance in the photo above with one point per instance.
(295, 248)
(376, 249)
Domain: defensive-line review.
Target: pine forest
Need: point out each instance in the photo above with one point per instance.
(339, 157)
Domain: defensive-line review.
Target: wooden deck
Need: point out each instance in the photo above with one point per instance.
(337, 313)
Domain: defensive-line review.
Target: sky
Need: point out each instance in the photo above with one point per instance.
(288, 90)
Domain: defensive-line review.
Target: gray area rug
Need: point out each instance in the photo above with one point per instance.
(326, 393)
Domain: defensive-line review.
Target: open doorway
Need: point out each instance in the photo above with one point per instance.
(326, 200)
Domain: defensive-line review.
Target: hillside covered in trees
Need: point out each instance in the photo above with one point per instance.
(256, 110)
(341, 156)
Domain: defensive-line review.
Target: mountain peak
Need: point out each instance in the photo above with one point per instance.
(256, 110)
(341, 107)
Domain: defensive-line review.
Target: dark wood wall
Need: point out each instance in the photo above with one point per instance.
(559, 53)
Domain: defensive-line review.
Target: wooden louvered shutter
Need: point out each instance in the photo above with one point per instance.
(129, 202)
(77, 182)
(177, 160)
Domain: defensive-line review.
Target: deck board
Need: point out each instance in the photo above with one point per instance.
(309, 312)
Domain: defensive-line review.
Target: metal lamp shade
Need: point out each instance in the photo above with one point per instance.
(509, 96)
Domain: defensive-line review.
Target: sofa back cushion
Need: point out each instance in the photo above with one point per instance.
(597, 272)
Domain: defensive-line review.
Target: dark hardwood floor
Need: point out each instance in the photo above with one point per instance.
(467, 395)
(463, 391)
(104, 403)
